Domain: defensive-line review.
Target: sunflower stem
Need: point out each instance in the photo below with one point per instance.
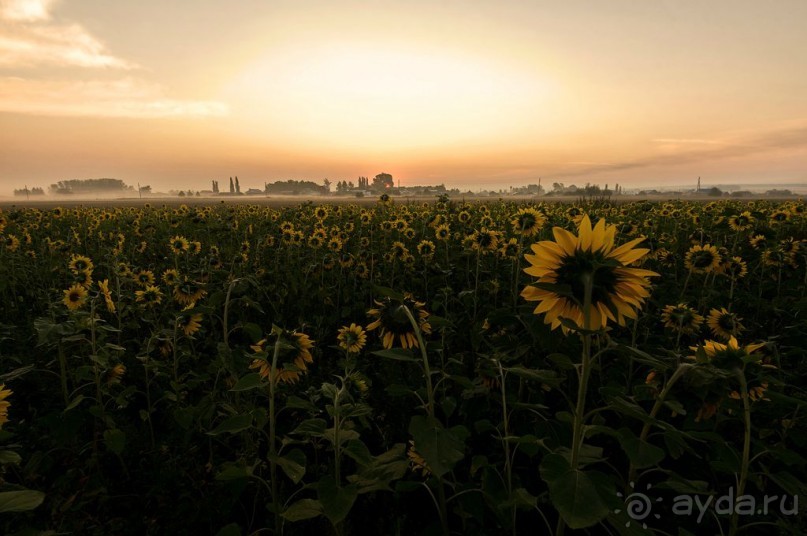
(584, 372)
(746, 446)
(677, 375)
(272, 435)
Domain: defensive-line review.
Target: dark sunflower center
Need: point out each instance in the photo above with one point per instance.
(574, 269)
(75, 296)
(727, 322)
(526, 221)
(702, 259)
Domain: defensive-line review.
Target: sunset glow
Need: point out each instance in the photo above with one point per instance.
(471, 94)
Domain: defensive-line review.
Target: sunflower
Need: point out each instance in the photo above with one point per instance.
(485, 240)
(417, 461)
(391, 317)
(4, 404)
(149, 296)
(464, 216)
(145, 278)
(509, 249)
(170, 277)
(335, 245)
(442, 232)
(426, 249)
(362, 270)
(83, 278)
(617, 290)
(726, 356)
(80, 263)
(528, 221)
(12, 243)
(741, 222)
(702, 259)
(779, 216)
(321, 213)
(190, 324)
(758, 241)
(734, 267)
(756, 393)
(74, 297)
(681, 318)
(352, 338)
(399, 250)
(115, 374)
(103, 286)
(188, 291)
(299, 344)
(724, 324)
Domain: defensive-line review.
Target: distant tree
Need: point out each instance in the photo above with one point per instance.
(181, 193)
(327, 185)
(714, 191)
(237, 186)
(79, 186)
(350, 185)
(383, 181)
(145, 189)
(215, 187)
(232, 186)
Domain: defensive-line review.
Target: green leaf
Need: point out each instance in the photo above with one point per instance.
(336, 501)
(248, 382)
(641, 453)
(20, 501)
(358, 451)
(234, 471)
(303, 509)
(9, 456)
(398, 354)
(311, 427)
(229, 530)
(573, 492)
(232, 425)
(115, 440)
(73, 403)
(441, 448)
(292, 463)
(543, 376)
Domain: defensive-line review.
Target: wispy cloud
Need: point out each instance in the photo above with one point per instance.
(126, 97)
(25, 10)
(30, 37)
(687, 141)
(778, 138)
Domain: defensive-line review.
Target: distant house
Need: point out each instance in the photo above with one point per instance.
(254, 191)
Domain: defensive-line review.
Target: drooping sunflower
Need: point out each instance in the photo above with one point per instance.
(391, 318)
(681, 318)
(617, 290)
(352, 338)
(726, 356)
(724, 324)
(417, 461)
(528, 221)
(300, 346)
(150, 296)
(74, 297)
(4, 404)
(190, 323)
(115, 374)
(188, 291)
(702, 259)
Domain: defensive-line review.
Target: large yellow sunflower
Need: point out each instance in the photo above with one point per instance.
(528, 221)
(702, 259)
(617, 290)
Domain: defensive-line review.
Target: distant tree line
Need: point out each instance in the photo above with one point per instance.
(81, 186)
(29, 191)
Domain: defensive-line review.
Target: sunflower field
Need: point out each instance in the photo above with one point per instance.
(404, 368)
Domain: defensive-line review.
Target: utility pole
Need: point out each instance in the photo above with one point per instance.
(27, 193)
(699, 185)
(139, 191)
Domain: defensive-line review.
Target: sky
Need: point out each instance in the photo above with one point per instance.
(469, 93)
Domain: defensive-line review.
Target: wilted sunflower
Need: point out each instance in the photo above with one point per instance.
(417, 461)
(188, 291)
(149, 296)
(391, 317)
(4, 404)
(528, 221)
(352, 338)
(103, 286)
(681, 318)
(724, 324)
(702, 259)
(115, 374)
(617, 290)
(74, 297)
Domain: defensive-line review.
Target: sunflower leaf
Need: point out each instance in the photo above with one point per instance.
(398, 354)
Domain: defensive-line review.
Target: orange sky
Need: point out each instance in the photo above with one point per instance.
(470, 93)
